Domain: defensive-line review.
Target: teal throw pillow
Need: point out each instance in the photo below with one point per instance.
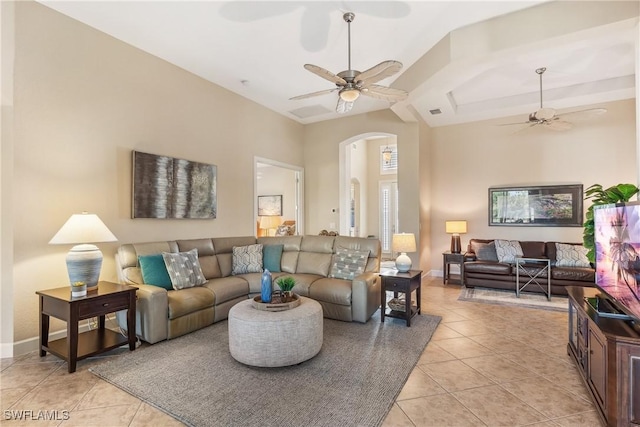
(271, 256)
(154, 271)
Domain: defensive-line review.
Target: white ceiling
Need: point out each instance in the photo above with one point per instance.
(257, 49)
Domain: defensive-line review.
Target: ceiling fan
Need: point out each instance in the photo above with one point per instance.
(350, 84)
(548, 118)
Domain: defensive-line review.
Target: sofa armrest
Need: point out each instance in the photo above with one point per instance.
(365, 296)
(152, 314)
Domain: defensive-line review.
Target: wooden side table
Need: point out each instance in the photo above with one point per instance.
(447, 259)
(400, 282)
(109, 298)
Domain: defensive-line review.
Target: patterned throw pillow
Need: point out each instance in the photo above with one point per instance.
(247, 259)
(508, 250)
(485, 251)
(571, 256)
(184, 269)
(348, 263)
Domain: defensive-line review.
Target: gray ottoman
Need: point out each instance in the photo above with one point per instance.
(275, 338)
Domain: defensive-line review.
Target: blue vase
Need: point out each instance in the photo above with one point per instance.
(266, 286)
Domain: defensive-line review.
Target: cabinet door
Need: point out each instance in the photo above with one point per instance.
(597, 365)
(573, 326)
(629, 388)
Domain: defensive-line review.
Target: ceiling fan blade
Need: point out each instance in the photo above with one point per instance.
(517, 123)
(526, 127)
(343, 106)
(558, 125)
(378, 72)
(325, 74)
(584, 114)
(384, 92)
(309, 95)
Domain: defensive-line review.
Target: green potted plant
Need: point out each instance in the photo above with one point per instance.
(615, 194)
(286, 284)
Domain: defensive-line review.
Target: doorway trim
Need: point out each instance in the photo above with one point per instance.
(299, 216)
(344, 172)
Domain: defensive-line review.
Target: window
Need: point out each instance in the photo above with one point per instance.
(388, 213)
(388, 159)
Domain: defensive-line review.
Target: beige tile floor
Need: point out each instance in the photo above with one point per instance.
(485, 365)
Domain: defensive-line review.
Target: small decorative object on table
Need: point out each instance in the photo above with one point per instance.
(397, 304)
(277, 303)
(266, 288)
(78, 289)
(286, 284)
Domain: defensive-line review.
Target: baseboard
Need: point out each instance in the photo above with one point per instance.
(32, 344)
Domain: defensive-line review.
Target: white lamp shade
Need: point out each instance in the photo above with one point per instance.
(455, 227)
(403, 242)
(84, 260)
(83, 228)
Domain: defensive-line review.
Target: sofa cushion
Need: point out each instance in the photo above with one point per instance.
(154, 271)
(247, 259)
(348, 263)
(186, 301)
(533, 249)
(271, 257)
(184, 269)
(334, 291)
(571, 255)
(487, 267)
(575, 274)
(228, 288)
(508, 250)
(485, 251)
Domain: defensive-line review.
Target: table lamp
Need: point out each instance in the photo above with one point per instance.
(269, 223)
(84, 260)
(403, 243)
(455, 228)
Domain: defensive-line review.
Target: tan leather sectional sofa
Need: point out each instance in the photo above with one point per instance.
(163, 314)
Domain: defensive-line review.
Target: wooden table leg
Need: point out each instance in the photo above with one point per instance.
(131, 322)
(72, 338)
(44, 330)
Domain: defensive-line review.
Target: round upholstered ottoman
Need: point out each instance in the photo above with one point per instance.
(275, 338)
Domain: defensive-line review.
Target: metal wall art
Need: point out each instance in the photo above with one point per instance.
(165, 187)
(549, 205)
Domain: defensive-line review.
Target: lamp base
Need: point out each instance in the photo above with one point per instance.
(83, 265)
(455, 244)
(403, 263)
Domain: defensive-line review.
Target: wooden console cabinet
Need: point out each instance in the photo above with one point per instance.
(607, 353)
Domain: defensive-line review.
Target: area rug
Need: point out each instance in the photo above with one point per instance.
(353, 381)
(504, 297)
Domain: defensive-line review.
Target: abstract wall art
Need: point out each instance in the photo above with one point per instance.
(166, 187)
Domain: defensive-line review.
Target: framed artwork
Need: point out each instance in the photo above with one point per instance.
(165, 187)
(270, 205)
(549, 205)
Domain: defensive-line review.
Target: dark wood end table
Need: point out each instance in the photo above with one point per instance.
(449, 258)
(108, 298)
(406, 283)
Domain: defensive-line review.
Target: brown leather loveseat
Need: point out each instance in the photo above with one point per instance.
(483, 269)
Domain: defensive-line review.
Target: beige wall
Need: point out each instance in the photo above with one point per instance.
(83, 102)
(468, 159)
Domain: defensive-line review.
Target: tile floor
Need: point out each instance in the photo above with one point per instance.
(485, 365)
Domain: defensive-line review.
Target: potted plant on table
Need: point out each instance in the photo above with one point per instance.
(286, 284)
(615, 194)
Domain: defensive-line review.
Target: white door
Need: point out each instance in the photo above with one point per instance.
(388, 214)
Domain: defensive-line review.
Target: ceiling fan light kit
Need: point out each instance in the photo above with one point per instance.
(548, 117)
(350, 84)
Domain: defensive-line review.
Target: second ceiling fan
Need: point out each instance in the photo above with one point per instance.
(548, 118)
(350, 84)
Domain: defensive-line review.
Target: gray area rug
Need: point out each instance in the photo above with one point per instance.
(353, 381)
(504, 297)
